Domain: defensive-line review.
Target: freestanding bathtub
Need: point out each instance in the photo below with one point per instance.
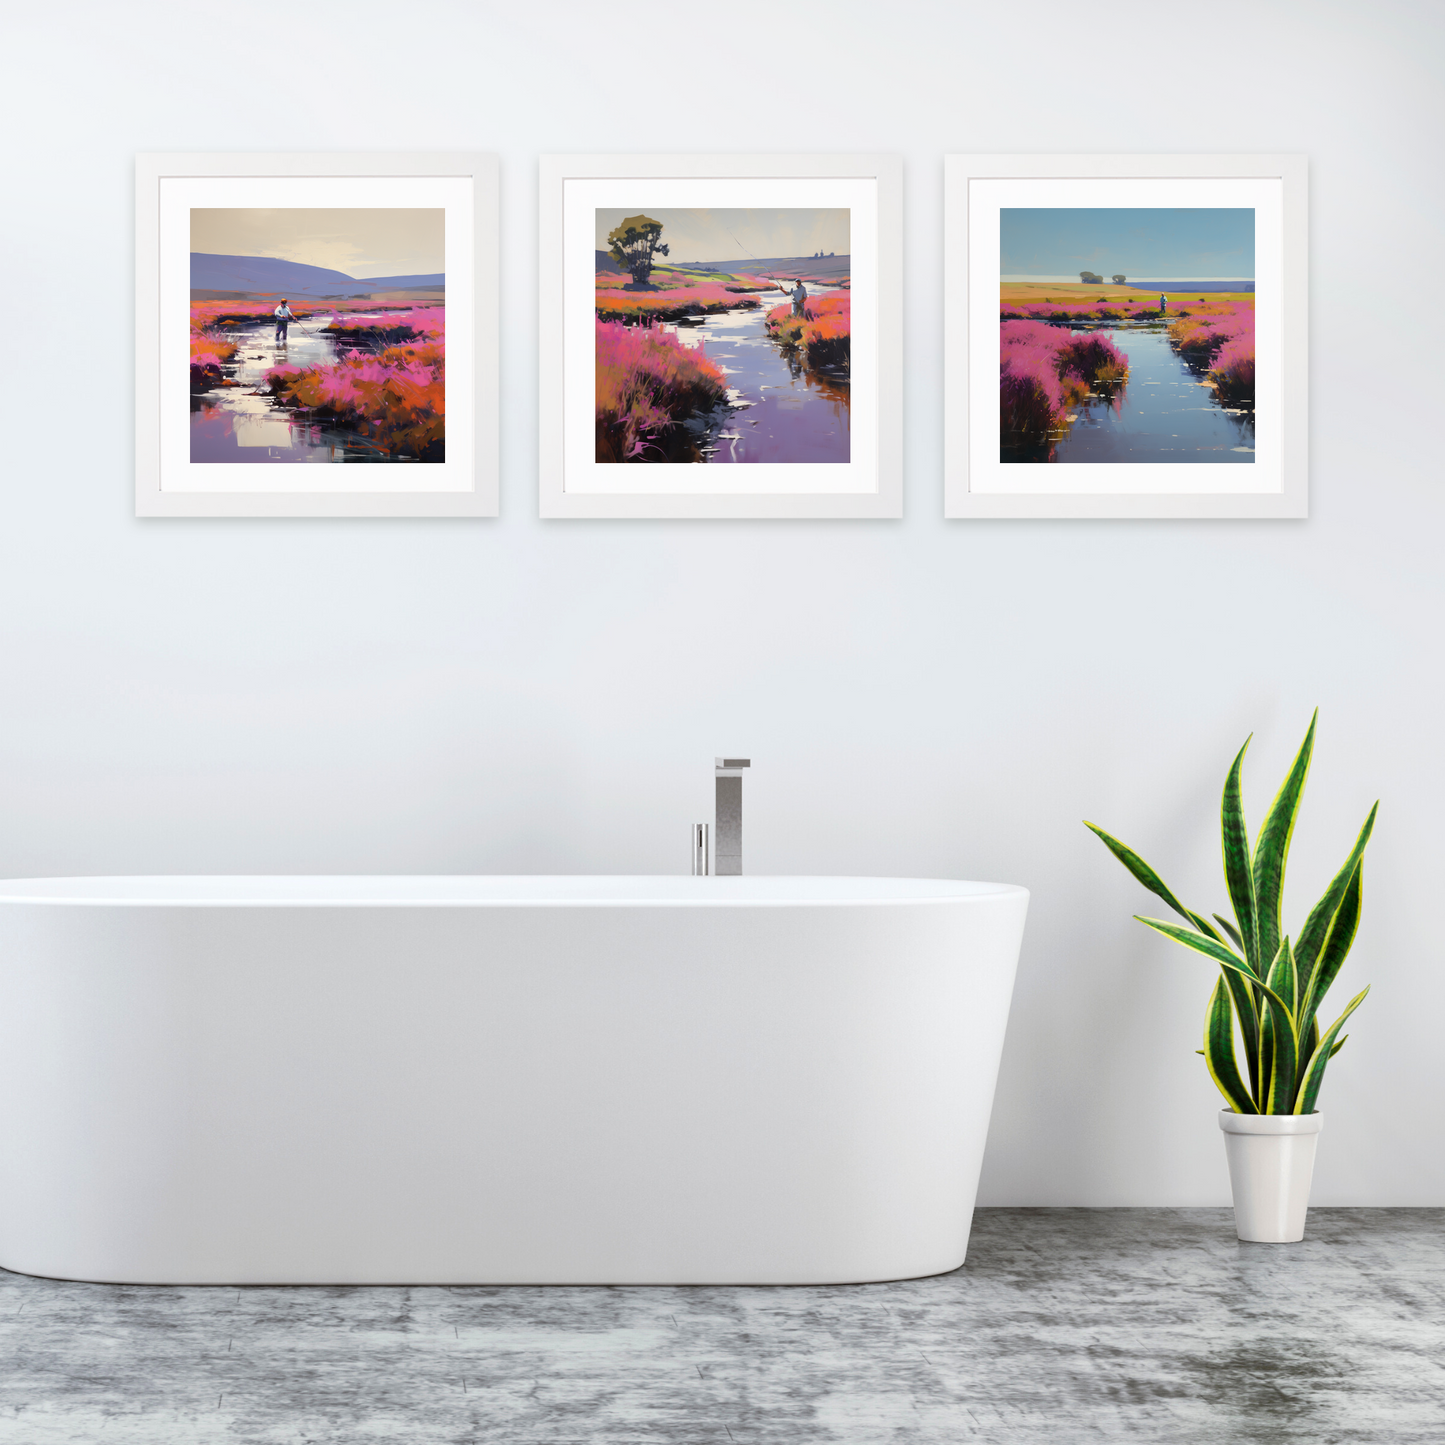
(576, 1080)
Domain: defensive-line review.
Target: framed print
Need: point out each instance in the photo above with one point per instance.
(1125, 336)
(316, 336)
(720, 336)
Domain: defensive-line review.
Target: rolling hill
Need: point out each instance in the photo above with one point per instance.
(270, 276)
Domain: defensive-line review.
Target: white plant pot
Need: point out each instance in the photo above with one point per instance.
(1271, 1163)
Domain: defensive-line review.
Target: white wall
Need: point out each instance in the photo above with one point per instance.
(919, 697)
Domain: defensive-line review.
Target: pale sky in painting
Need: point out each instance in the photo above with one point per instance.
(718, 234)
(1207, 243)
(382, 241)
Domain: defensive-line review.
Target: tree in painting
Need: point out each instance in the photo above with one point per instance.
(735, 349)
(634, 243)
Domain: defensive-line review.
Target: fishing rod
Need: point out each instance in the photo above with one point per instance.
(294, 320)
(301, 328)
(741, 247)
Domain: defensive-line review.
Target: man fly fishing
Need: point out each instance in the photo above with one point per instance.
(284, 317)
(799, 295)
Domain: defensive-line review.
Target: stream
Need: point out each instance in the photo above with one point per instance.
(779, 410)
(237, 424)
(1164, 413)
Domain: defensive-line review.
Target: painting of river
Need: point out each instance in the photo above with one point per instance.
(294, 360)
(736, 349)
(1111, 366)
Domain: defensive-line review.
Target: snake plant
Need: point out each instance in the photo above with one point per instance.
(1269, 987)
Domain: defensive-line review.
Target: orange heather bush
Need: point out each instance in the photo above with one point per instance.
(205, 314)
(396, 398)
(614, 304)
(823, 332)
(1220, 340)
(209, 353)
(414, 323)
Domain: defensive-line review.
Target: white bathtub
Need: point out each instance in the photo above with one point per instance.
(497, 1080)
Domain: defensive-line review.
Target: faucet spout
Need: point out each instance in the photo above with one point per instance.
(728, 820)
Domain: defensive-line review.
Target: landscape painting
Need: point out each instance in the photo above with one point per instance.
(1126, 335)
(723, 335)
(317, 335)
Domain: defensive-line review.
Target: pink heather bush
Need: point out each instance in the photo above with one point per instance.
(210, 349)
(398, 324)
(205, 314)
(1199, 335)
(1081, 311)
(1220, 339)
(396, 397)
(1045, 369)
(647, 382)
(209, 353)
(614, 304)
(1232, 369)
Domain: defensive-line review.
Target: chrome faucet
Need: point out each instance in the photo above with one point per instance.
(728, 815)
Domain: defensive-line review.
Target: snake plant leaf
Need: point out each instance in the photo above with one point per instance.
(1246, 1008)
(1220, 955)
(1277, 1040)
(1278, 1056)
(1238, 870)
(1231, 930)
(1219, 1051)
(1283, 976)
(1330, 929)
(1141, 871)
(1271, 850)
(1333, 953)
(1277, 1035)
(1209, 947)
(1313, 1074)
(1266, 1057)
(1339, 1044)
(1205, 927)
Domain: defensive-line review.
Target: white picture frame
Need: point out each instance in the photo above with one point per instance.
(573, 484)
(464, 483)
(978, 485)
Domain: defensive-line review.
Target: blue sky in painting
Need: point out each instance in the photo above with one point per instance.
(1160, 242)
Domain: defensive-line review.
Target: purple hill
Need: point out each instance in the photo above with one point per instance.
(270, 276)
(401, 283)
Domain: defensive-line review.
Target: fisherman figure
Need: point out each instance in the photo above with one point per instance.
(800, 297)
(1163, 304)
(284, 316)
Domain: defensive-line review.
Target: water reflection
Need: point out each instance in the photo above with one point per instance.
(235, 420)
(1165, 412)
(778, 409)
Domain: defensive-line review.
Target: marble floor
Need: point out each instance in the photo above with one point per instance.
(1065, 1325)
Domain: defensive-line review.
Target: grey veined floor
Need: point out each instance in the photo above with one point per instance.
(1065, 1325)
